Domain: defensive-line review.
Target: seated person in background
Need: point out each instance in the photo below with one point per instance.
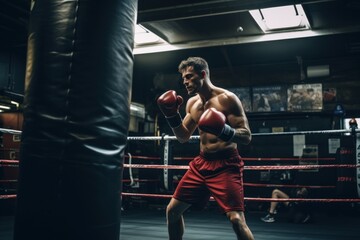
(298, 211)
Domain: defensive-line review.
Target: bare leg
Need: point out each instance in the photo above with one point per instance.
(276, 193)
(175, 220)
(239, 225)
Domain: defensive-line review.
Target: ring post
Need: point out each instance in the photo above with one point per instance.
(347, 154)
(167, 159)
(353, 125)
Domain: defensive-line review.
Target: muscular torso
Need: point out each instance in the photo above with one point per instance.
(196, 107)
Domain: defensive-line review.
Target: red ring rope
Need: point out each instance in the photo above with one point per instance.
(284, 167)
(8, 161)
(254, 199)
(245, 184)
(282, 185)
(268, 159)
(13, 196)
(287, 159)
(5, 161)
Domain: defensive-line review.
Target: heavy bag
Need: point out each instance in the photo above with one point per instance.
(76, 117)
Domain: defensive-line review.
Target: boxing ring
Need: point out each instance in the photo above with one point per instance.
(165, 181)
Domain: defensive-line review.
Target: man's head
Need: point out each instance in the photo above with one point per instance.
(199, 64)
(194, 71)
(302, 192)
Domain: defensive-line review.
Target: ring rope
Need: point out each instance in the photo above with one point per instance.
(143, 157)
(307, 132)
(301, 167)
(126, 194)
(245, 184)
(283, 185)
(166, 137)
(287, 159)
(8, 181)
(353, 200)
(245, 158)
(9, 196)
(5, 161)
(156, 166)
(268, 159)
(11, 131)
(284, 167)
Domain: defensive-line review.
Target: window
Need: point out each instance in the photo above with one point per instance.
(275, 19)
(144, 36)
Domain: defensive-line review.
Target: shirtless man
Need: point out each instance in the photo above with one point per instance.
(217, 171)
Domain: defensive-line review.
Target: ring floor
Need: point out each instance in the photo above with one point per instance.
(149, 223)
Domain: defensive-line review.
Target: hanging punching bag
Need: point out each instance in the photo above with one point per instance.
(76, 117)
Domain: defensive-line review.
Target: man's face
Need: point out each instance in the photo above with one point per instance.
(191, 80)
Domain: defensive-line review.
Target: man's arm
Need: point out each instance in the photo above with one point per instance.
(169, 104)
(233, 127)
(186, 129)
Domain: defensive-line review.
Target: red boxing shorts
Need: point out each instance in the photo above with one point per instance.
(219, 175)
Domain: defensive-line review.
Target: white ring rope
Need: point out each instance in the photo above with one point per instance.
(11, 131)
(166, 137)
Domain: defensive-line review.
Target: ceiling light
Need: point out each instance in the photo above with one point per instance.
(4, 107)
(15, 103)
(291, 17)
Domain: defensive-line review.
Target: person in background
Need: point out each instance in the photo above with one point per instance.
(297, 212)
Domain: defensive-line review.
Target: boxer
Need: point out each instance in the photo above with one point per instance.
(217, 170)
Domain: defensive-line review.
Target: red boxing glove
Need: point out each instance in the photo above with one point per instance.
(169, 104)
(213, 121)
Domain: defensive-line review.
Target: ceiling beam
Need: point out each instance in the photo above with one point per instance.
(283, 36)
(211, 8)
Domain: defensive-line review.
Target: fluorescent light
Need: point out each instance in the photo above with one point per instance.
(15, 103)
(4, 107)
(281, 18)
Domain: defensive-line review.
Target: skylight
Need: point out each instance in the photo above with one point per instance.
(144, 36)
(291, 17)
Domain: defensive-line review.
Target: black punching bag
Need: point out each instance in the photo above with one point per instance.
(76, 117)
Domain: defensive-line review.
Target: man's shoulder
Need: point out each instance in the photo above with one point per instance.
(227, 95)
(193, 99)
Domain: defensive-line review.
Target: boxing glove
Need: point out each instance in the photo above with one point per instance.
(169, 104)
(213, 121)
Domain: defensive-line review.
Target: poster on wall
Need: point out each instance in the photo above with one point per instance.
(269, 99)
(244, 96)
(310, 157)
(329, 95)
(305, 97)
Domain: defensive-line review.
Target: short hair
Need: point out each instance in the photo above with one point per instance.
(199, 64)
